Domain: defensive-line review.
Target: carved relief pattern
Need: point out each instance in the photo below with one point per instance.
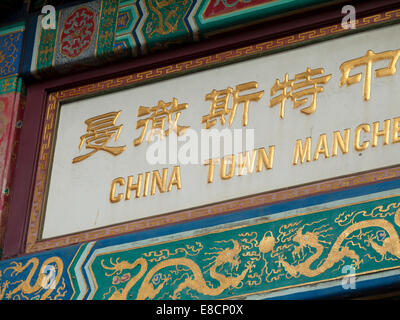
(140, 27)
(257, 258)
(253, 258)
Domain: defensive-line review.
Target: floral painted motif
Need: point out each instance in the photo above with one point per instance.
(77, 32)
(10, 51)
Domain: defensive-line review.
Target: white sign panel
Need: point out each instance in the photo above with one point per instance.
(317, 112)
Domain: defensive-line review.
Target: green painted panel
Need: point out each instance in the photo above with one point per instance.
(47, 43)
(272, 255)
(11, 84)
(108, 20)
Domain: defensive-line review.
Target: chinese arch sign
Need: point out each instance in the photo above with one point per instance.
(130, 159)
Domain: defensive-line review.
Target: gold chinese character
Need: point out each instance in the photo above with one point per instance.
(290, 90)
(219, 103)
(367, 61)
(158, 116)
(100, 130)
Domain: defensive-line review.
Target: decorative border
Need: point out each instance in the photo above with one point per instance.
(46, 46)
(54, 99)
(190, 24)
(47, 59)
(107, 29)
(11, 42)
(80, 277)
(214, 8)
(121, 249)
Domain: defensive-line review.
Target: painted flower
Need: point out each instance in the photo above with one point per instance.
(77, 32)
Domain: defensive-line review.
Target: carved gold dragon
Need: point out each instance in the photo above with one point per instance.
(391, 244)
(196, 282)
(25, 286)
